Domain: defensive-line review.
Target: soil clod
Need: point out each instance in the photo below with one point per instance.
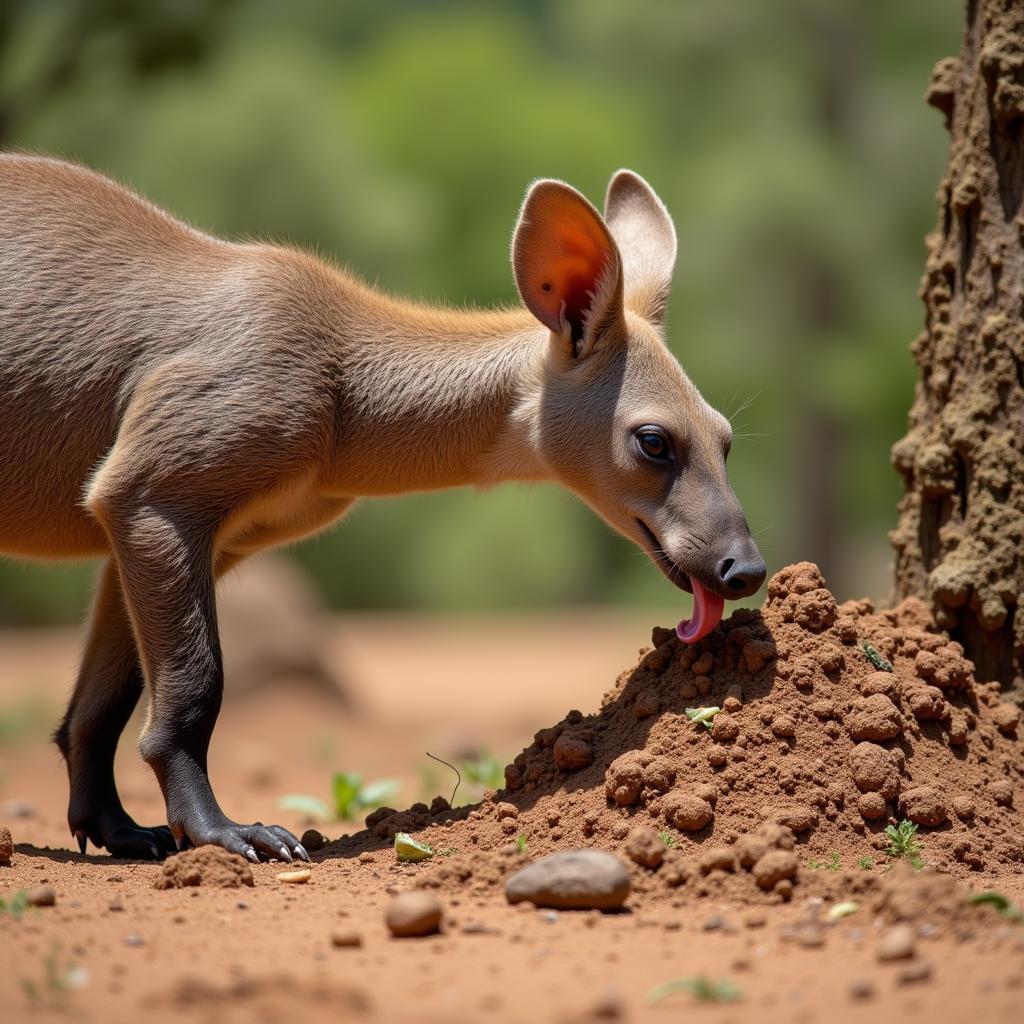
(413, 914)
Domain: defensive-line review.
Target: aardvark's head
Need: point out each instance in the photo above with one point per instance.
(621, 424)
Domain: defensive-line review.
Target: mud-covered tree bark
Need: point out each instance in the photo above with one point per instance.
(960, 537)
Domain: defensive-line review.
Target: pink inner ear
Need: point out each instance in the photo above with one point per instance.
(573, 272)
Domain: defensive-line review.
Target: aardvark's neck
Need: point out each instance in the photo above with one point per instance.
(434, 398)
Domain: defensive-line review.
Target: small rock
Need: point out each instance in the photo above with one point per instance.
(918, 970)
(896, 944)
(115, 905)
(42, 896)
(644, 847)
(414, 913)
(6, 845)
(717, 923)
(861, 989)
(133, 939)
(572, 880)
(18, 809)
(345, 938)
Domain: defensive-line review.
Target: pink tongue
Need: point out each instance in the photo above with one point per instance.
(707, 613)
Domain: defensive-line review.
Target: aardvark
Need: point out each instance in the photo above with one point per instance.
(173, 403)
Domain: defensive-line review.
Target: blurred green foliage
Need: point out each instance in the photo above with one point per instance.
(789, 140)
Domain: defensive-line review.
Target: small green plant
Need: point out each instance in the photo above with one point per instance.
(53, 990)
(16, 905)
(521, 842)
(701, 987)
(1000, 902)
(702, 715)
(876, 659)
(903, 843)
(473, 776)
(668, 839)
(832, 864)
(350, 797)
(865, 863)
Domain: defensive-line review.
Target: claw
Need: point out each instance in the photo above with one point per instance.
(180, 842)
(285, 855)
(300, 851)
(82, 840)
(252, 855)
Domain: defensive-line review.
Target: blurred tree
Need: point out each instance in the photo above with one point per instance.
(150, 36)
(400, 138)
(960, 538)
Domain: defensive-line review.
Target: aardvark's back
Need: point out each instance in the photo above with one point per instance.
(97, 284)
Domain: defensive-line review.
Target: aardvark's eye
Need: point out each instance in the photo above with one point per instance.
(653, 443)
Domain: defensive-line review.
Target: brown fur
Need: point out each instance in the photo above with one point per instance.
(175, 402)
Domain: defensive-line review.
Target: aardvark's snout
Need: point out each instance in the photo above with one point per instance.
(742, 571)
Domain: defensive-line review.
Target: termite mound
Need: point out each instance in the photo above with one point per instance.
(835, 721)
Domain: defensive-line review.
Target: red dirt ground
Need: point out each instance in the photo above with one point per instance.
(607, 778)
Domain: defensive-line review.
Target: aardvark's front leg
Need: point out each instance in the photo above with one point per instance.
(164, 552)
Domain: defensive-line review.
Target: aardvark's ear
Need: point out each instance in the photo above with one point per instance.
(567, 265)
(646, 238)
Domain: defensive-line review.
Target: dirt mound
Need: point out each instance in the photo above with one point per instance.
(206, 865)
(834, 722)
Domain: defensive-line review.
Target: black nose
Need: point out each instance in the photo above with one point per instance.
(742, 576)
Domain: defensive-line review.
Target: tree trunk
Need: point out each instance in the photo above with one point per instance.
(960, 537)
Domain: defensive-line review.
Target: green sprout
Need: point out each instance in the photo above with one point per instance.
(832, 864)
(701, 987)
(411, 850)
(16, 905)
(668, 839)
(481, 772)
(1000, 902)
(350, 797)
(876, 659)
(53, 990)
(702, 715)
(903, 843)
(865, 863)
(521, 842)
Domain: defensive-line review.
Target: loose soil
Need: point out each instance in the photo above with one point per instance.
(742, 840)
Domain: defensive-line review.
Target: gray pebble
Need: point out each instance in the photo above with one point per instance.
(572, 880)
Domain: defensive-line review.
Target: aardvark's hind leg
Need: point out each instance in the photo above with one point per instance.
(106, 692)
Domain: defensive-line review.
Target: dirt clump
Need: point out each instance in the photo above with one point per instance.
(6, 845)
(206, 865)
(813, 738)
